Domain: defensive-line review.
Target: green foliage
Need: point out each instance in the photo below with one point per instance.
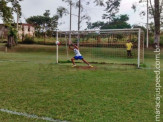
(7, 8)
(112, 8)
(7, 11)
(28, 40)
(94, 25)
(118, 22)
(43, 23)
(61, 11)
(47, 13)
(12, 32)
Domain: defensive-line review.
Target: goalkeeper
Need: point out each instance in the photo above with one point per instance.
(129, 46)
(77, 56)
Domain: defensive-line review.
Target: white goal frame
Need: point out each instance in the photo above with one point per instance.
(139, 31)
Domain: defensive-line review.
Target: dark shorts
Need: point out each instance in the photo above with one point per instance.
(78, 57)
(129, 53)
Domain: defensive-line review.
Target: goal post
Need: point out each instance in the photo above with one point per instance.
(56, 47)
(104, 46)
(139, 36)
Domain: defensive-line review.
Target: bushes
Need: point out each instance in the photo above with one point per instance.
(151, 39)
(28, 40)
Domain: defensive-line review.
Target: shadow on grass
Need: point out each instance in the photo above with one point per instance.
(130, 64)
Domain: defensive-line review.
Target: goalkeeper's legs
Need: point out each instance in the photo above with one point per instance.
(73, 61)
(82, 60)
(85, 61)
(130, 54)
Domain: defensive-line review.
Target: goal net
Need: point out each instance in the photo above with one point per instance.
(104, 46)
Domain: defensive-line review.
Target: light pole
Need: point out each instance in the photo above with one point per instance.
(70, 21)
(79, 15)
(79, 22)
(147, 41)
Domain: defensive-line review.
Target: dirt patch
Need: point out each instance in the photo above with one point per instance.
(85, 68)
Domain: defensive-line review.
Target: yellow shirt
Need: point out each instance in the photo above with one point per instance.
(129, 46)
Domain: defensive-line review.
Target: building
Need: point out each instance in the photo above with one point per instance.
(3, 31)
(24, 30)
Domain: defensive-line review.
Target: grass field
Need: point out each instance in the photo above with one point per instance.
(31, 82)
(91, 54)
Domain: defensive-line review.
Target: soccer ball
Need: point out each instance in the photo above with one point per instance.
(57, 43)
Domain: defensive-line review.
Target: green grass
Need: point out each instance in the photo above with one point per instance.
(31, 82)
(91, 54)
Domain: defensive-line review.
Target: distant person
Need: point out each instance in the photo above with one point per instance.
(129, 46)
(77, 56)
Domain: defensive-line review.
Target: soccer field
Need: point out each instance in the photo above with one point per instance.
(31, 82)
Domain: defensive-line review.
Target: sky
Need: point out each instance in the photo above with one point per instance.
(38, 7)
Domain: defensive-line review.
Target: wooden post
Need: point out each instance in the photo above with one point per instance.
(44, 38)
(6, 49)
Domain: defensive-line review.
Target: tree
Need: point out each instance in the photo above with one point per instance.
(44, 23)
(112, 7)
(156, 11)
(61, 11)
(95, 25)
(118, 22)
(6, 12)
(12, 36)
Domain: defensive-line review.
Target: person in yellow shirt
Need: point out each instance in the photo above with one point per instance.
(129, 46)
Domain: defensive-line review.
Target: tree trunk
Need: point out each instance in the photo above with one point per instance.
(157, 22)
(44, 38)
(9, 41)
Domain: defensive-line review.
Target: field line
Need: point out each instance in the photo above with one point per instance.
(32, 116)
(12, 61)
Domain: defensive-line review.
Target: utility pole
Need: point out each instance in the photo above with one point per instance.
(17, 25)
(79, 22)
(70, 22)
(79, 15)
(147, 41)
